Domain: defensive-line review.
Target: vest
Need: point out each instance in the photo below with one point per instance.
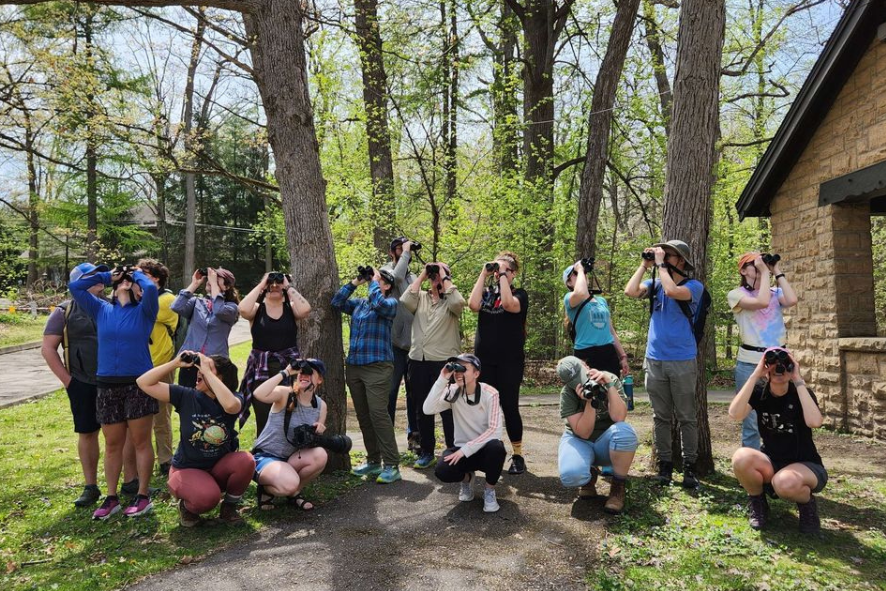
(80, 342)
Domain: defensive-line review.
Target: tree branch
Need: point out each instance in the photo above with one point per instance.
(237, 5)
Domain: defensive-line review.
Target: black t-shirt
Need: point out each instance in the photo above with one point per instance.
(207, 431)
(501, 335)
(786, 437)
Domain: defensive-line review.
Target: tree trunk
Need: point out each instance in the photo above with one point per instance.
(590, 193)
(653, 41)
(91, 158)
(278, 54)
(190, 144)
(505, 133)
(691, 159)
(33, 203)
(451, 108)
(375, 101)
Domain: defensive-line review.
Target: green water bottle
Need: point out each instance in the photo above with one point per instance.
(628, 384)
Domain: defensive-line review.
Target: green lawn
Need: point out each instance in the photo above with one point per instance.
(17, 329)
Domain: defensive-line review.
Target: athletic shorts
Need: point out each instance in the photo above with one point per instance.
(820, 473)
(121, 403)
(82, 398)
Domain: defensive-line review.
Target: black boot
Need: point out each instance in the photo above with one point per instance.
(665, 473)
(690, 480)
(809, 520)
(759, 510)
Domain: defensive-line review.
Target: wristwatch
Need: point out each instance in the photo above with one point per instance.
(661, 265)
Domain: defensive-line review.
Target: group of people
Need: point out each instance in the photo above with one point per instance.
(119, 364)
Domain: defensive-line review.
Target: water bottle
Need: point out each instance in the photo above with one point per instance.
(628, 384)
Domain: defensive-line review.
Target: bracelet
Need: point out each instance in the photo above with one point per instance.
(283, 373)
(800, 383)
(661, 265)
(779, 276)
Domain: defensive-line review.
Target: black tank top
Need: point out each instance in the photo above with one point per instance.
(269, 334)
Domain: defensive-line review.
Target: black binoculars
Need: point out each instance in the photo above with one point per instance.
(365, 273)
(492, 267)
(277, 277)
(588, 264)
(648, 256)
(594, 392)
(416, 246)
(190, 358)
(456, 367)
(301, 366)
(770, 259)
(779, 358)
(433, 270)
(203, 271)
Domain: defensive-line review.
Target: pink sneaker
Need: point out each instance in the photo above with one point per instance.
(108, 508)
(139, 506)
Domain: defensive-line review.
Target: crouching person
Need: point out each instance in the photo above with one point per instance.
(206, 464)
(788, 464)
(593, 404)
(477, 418)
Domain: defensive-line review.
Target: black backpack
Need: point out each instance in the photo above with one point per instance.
(696, 321)
(572, 332)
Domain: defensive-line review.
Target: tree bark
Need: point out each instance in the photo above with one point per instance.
(691, 159)
(450, 109)
(653, 41)
(590, 193)
(33, 203)
(188, 265)
(91, 157)
(504, 97)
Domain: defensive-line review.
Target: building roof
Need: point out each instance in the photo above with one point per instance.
(848, 43)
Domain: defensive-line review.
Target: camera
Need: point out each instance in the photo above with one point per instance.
(588, 264)
(456, 367)
(492, 267)
(365, 273)
(305, 436)
(433, 270)
(190, 358)
(594, 392)
(648, 256)
(301, 366)
(770, 259)
(780, 359)
(276, 277)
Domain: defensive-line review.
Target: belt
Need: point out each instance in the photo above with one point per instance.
(757, 349)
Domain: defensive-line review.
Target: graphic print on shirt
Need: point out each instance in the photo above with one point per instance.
(492, 302)
(778, 423)
(599, 314)
(209, 433)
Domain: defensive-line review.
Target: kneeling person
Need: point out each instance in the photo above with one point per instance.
(206, 463)
(593, 404)
(477, 418)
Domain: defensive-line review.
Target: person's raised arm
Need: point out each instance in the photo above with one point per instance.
(80, 292)
(739, 407)
(225, 397)
(151, 382)
(150, 302)
(401, 269)
(582, 423)
(475, 300)
(410, 297)
(635, 287)
(811, 412)
(668, 285)
(270, 391)
(455, 302)
(249, 305)
(341, 301)
(788, 297)
(384, 307)
(509, 302)
(435, 402)
(300, 306)
(580, 292)
(764, 294)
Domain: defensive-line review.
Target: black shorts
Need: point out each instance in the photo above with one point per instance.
(820, 473)
(82, 398)
(121, 403)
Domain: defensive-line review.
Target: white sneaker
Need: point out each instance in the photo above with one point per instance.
(490, 505)
(466, 492)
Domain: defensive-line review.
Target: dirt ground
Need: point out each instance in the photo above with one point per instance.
(416, 535)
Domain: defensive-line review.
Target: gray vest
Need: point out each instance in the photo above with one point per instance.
(80, 342)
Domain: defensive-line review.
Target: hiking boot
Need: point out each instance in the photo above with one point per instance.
(466, 491)
(518, 465)
(759, 511)
(589, 490)
(809, 521)
(425, 461)
(164, 469)
(690, 480)
(367, 469)
(108, 508)
(90, 496)
(615, 504)
(490, 504)
(229, 513)
(388, 475)
(185, 517)
(140, 505)
(130, 488)
(665, 473)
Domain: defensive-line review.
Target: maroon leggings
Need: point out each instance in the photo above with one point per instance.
(201, 490)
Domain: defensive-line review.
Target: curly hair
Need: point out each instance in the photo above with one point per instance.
(227, 372)
(155, 269)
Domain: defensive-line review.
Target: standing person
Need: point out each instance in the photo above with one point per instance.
(210, 318)
(162, 351)
(124, 327)
(596, 341)
(272, 308)
(206, 463)
(757, 308)
(500, 340)
(369, 365)
(401, 336)
(788, 464)
(72, 327)
(671, 353)
(435, 338)
(477, 416)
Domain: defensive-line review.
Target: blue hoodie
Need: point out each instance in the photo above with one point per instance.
(123, 331)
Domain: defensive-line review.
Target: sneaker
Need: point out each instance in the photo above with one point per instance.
(759, 511)
(518, 465)
(665, 473)
(367, 469)
(466, 491)
(185, 517)
(490, 505)
(607, 472)
(164, 468)
(130, 488)
(589, 490)
(690, 480)
(90, 496)
(615, 504)
(388, 475)
(229, 513)
(425, 461)
(108, 508)
(809, 520)
(140, 505)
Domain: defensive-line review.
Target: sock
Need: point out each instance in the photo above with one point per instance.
(235, 499)
(518, 447)
(91, 487)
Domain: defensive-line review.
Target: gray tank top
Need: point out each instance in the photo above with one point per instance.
(272, 440)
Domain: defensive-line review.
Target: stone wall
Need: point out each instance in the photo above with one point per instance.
(827, 250)
(864, 385)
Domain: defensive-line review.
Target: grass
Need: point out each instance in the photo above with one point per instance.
(18, 329)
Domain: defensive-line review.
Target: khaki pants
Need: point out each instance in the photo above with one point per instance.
(163, 428)
(369, 385)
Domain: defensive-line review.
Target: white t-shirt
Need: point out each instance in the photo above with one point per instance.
(758, 328)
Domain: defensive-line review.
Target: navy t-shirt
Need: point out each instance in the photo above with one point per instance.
(207, 431)
(786, 437)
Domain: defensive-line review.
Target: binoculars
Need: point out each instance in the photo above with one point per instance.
(492, 267)
(190, 358)
(770, 259)
(456, 367)
(780, 360)
(433, 271)
(302, 366)
(594, 392)
(277, 277)
(648, 256)
(365, 273)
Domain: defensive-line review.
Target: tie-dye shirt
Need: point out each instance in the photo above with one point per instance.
(758, 328)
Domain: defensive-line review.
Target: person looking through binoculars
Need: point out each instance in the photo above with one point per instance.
(757, 308)
(435, 338)
(500, 340)
(788, 465)
(477, 444)
(272, 308)
(368, 369)
(285, 460)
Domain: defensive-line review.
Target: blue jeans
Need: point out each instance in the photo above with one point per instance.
(750, 433)
(576, 455)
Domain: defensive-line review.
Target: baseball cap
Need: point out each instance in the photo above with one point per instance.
(398, 241)
(572, 372)
(226, 275)
(86, 269)
(317, 365)
(746, 259)
(567, 272)
(467, 358)
(386, 275)
(681, 248)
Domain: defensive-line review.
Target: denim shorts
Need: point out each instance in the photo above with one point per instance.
(262, 461)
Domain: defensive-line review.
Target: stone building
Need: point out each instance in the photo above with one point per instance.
(821, 179)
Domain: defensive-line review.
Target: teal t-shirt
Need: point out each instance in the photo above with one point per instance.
(592, 329)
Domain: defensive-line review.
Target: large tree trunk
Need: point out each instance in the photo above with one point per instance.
(190, 145)
(691, 159)
(91, 158)
(451, 97)
(278, 54)
(375, 101)
(505, 134)
(33, 203)
(590, 193)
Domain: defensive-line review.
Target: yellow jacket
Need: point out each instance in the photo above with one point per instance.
(162, 347)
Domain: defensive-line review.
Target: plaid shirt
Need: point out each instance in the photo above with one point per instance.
(371, 321)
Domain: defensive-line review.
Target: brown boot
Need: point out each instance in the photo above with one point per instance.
(616, 501)
(589, 490)
(229, 513)
(185, 517)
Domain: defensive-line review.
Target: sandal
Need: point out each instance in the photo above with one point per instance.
(264, 499)
(301, 502)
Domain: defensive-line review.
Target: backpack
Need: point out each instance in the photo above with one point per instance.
(696, 321)
(181, 330)
(572, 332)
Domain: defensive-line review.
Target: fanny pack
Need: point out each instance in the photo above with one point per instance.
(757, 349)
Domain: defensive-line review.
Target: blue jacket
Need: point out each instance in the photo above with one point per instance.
(123, 331)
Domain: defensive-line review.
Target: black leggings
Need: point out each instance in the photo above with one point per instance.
(604, 357)
(422, 375)
(490, 459)
(507, 379)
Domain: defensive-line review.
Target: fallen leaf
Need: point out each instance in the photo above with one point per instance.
(11, 567)
(187, 559)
